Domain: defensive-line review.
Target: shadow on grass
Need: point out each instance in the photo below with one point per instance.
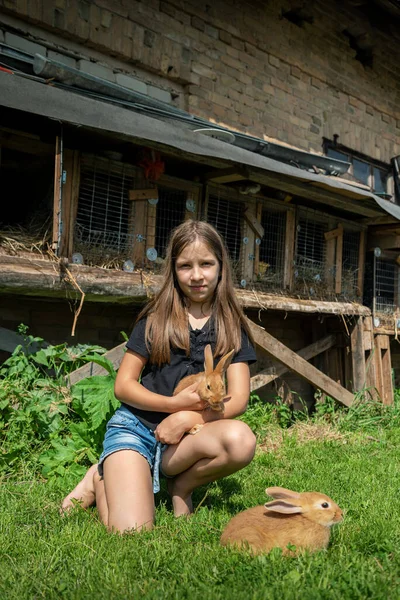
(223, 495)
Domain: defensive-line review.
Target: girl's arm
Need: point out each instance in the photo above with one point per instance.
(172, 428)
(128, 389)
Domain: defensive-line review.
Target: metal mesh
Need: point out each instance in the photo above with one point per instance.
(310, 257)
(386, 281)
(103, 231)
(226, 217)
(272, 249)
(170, 213)
(351, 249)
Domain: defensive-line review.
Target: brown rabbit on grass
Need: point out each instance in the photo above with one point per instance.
(295, 519)
(211, 382)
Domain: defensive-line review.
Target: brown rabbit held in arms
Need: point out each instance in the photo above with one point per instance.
(211, 382)
(295, 519)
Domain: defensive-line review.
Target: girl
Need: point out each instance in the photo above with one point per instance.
(195, 306)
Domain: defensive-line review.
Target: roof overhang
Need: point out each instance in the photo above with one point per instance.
(33, 96)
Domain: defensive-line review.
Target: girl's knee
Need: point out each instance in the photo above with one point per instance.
(121, 525)
(239, 441)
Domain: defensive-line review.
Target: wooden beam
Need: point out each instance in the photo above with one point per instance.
(57, 196)
(389, 242)
(361, 263)
(144, 194)
(227, 175)
(70, 197)
(339, 261)
(298, 365)
(250, 217)
(247, 250)
(358, 355)
(290, 236)
(334, 233)
(256, 267)
(312, 191)
(115, 356)
(265, 376)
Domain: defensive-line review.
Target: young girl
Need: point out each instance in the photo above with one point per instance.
(195, 306)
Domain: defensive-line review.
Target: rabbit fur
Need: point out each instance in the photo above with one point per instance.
(211, 382)
(292, 519)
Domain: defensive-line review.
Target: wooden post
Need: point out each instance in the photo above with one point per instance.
(330, 263)
(298, 365)
(247, 250)
(361, 263)
(256, 266)
(383, 345)
(70, 197)
(290, 237)
(339, 260)
(57, 197)
(139, 232)
(358, 355)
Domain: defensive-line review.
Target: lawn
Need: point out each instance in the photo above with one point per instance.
(352, 456)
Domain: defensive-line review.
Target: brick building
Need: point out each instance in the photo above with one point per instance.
(277, 122)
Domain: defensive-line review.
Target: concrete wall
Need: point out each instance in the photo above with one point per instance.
(241, 63)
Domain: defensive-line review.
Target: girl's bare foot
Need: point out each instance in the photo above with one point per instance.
(181, 503)
(83, 494)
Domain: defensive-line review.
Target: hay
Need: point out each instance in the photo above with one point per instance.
(304, 432)
(17, 240)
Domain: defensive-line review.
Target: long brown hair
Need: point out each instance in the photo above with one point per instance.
(167, 322)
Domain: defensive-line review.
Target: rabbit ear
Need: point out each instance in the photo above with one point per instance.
(208, 360)
(283, 507)
(224, 362)
(279, 492)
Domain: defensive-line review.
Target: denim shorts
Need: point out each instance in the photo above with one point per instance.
(126, 432)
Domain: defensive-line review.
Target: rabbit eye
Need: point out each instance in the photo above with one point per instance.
(208, 386)
(325, 505)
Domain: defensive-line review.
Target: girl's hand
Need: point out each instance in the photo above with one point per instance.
(188, 399)
(172, 428)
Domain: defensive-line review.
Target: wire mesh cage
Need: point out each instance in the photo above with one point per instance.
(170, 213)
(269, 275)
(350, 262)
(103, 232)
(386, 285)
(310, 274)
(226, 216)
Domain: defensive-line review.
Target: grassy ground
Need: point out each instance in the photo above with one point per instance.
(354, 460)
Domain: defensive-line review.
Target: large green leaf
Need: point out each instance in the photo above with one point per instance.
(96, 396)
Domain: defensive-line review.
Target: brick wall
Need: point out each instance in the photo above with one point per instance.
(245, 66)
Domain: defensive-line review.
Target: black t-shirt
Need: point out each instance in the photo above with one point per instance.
(164, 379)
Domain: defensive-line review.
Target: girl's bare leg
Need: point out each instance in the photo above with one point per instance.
(220, 448)
(83, 494)
(128, 492)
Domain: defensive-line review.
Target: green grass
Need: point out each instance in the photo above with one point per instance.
(45, 556)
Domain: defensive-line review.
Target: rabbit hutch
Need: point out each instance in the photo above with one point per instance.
(314, 258)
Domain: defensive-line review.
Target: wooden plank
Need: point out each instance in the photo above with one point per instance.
(333, 234)
(290, 236)
(69, 205)
(257, 247)
(247, 250)
(145, 194)
(361, 262)
(387, 397)
(339, 261)
(115, 356)
(265, 376)
(9, 340)
(251, 219)
(57, 196)
(330, 247)
(358, 355)
(298, 365)
(139, 229)
(227, 175)
(390, 242)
